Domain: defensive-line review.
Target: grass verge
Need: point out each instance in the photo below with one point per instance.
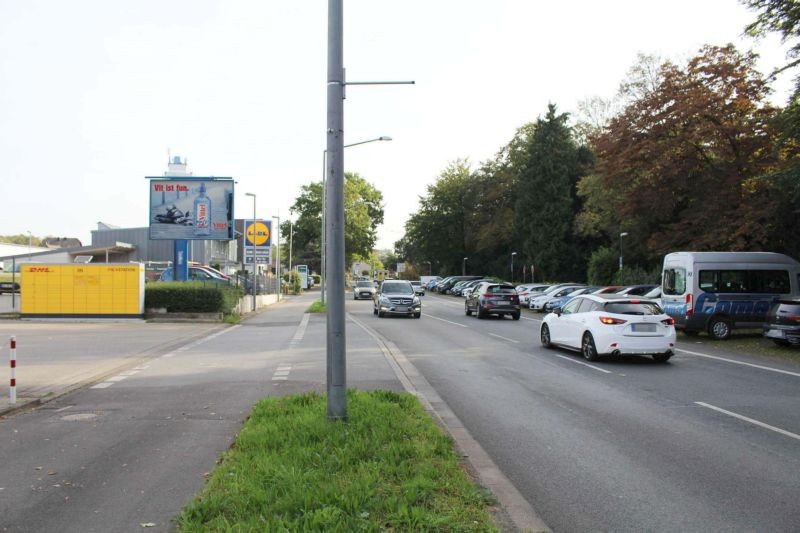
(388, 468)
(317, 307)
(749, 342)
(232, 318)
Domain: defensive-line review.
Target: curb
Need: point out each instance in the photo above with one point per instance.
(519, 511)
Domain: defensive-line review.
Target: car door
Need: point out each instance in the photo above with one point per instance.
(564, 322)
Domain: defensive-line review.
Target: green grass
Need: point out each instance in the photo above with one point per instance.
(388, 468)
(317, 307)
(749, 342)
(232, 318)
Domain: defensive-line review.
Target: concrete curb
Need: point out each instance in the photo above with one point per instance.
(519, 511)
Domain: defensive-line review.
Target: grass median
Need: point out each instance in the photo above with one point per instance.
(388, 468)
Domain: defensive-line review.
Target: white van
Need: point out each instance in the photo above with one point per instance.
(719, 291)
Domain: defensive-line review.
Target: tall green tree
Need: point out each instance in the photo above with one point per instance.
(363, 207)
(545, 201)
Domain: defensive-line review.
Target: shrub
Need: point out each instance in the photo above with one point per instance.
(191, 297)
(637, 275)
(317, 279)
(603, 266)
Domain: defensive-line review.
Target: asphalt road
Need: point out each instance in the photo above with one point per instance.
(134, 448)
(697, 444)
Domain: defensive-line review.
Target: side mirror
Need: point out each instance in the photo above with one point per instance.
(557, 311)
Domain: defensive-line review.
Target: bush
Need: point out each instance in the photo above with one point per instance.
(191, 297)
(603, 266)
(637, 275)
(317, 279)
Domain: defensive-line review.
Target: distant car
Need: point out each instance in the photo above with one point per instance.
(636, 290)
(196, 274)
(363, 289)
(562, 300)
(782, 324)
(396, 297)
(556, 291)
(467, 289)
(654, 295)
(432, 284)
(418, 288)
(490, 298)
(610, 324)
(526, 291)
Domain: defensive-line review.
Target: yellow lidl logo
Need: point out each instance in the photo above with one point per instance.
(257, 233)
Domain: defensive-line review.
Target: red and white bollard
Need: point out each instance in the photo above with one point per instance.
(12, 391)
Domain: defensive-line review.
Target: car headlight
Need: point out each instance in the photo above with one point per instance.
(384, 300)
(416, 300)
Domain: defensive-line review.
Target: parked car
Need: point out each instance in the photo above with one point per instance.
(455, 290)
(556, 291)
(364, 289)
(610, 289)
(561, 301)
(446, 284)
(491, 298)
(783, 322)
(396, 297)
(530, 290)
(654, 295)
(636, 290)
(610, 324)
(418, 288)
(196, 273)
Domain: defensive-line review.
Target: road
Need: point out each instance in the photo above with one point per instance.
(697, 444)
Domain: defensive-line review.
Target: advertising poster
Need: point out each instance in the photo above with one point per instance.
(192, 209)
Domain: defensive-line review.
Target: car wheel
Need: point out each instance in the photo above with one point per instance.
(662, 357)
(374, 310)
(545, 336)
(480, 313)
(380, 314)
(515, 316)
(588, 348)
(781, 342)
(354, 297)
(467, 310)
(417, 315)
(719, 329)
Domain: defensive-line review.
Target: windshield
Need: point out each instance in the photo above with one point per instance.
(674, 281)
(631, 308)
(398, 288)
(364, 284)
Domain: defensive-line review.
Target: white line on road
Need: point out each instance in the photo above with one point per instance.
(116, 378)
(504, 338)
(532, 319)
(103, 385)
(752, 421)
(443, 320)
(582, 363)
(301, 330)
(698, 354)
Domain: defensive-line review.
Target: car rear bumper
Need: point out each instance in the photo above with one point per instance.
(637, 345)
(790, 334)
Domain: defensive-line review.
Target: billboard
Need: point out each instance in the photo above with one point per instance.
(191, 208)
(258, 239)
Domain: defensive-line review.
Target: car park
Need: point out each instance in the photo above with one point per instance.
(418, 288)
(556, 291)
(396, 297)
(782, 324)
(610, 324)
(446, 284)
(526, 292)
(364, 289)
(491, 298)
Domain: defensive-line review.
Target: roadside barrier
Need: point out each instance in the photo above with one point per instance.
(12, 391)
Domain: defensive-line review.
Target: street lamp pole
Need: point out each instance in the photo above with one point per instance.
(254, 248)
(278, 267)
(512, 266)
(291, 234)
(464, 266)
(323, 237)
(621, 235)
(430, 267)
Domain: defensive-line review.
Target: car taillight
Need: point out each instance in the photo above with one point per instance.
(668, 321)
(611, 321)
(689, 307)
(793, 318)
(514, 298)
(635, 301)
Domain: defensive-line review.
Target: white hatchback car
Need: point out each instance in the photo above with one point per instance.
(610, 324)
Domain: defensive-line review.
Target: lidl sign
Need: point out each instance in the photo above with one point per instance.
(258, 233)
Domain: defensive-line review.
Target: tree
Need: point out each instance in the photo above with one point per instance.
(681, 166)
(21, 239)
(545, 201)
(363, 214)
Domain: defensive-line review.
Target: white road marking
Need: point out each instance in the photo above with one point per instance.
(301, 330)
(64, 408)
(103, 385)
(752, 421)
(280, 378)
(532, 319)
(504, 338)
(582, 363)
(698, 354)
(443, 320)
(116, 378)
(282, 372)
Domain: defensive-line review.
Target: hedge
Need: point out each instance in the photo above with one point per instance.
(191, 297)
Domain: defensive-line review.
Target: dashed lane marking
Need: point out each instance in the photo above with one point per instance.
(504, 338)
(698, 354)
(300, 332)
(443, 320)
(582, 363)
(282, 372)
(750, 420)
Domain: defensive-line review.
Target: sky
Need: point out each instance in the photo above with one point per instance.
(94, 94)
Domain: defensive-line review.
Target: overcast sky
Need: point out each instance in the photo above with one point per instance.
(94, 94)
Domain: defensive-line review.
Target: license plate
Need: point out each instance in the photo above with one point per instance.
(401, 308)
(774, 333)
(643, 328)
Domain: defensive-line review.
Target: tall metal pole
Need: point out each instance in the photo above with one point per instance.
(255, 282)
(334, 224)
(291, 234)
(512, 267)
(278, 266)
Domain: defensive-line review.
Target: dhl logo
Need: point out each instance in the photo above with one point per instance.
(39, 269)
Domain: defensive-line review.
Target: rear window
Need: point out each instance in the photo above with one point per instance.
(630, 308)
(790, 307)
(500, 289)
